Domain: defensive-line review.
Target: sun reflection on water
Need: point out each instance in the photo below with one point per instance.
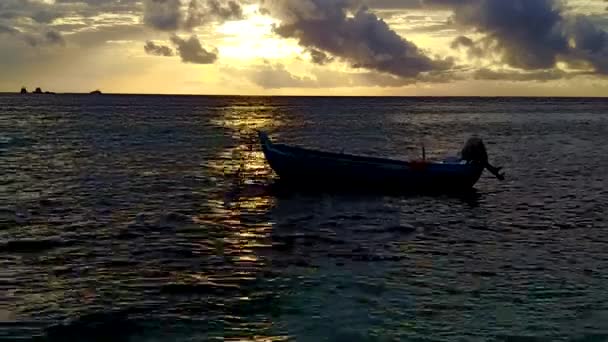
(243, 228)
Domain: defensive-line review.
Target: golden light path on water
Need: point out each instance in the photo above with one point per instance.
(242, 214)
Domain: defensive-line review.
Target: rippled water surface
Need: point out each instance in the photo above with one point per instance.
(147, 218)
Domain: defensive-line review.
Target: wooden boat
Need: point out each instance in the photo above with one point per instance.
(307, 167)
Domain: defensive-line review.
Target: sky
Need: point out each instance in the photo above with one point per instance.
(307, 47)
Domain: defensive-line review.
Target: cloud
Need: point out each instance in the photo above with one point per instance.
(394, 4)
(191, 51)
(35, 40)
(114, 3)
(170, 15)
(38, 11)
(319, 57)
(361, 39)
(275, 77)
(45, 16)
(530, 34)
(7, 30)
(34, 21)
(519, 76)
(526, 32)
(164, 15)
(54, 37)
(92, 8)
(467, 43)
(591, 44)
(158, 50)
(48, 38)
(90, 39)
(199, 12)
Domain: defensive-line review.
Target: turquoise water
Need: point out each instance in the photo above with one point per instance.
(156, 218)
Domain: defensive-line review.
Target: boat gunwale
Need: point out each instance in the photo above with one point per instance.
(296, 151)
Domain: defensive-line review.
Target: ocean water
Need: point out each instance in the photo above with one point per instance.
(156, 218)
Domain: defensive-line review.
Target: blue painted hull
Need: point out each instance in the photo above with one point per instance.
(307, 167)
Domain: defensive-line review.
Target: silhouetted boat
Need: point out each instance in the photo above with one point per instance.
(306, 167)
(96, 92)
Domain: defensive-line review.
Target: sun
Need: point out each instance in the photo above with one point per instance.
(253, 38)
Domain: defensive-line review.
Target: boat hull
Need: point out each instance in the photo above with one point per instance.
(304, 167)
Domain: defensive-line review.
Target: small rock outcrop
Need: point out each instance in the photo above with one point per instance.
(38, 91)
(23, 90)
(95, 92)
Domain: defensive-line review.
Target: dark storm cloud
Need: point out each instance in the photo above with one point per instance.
(168, 15)
(158, 50)
(191, 51)
(530, 34)
(591, 44)
(363, 39)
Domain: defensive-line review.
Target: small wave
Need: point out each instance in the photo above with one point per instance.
(198, 288)
(306, 239)
(519, 338)
(171, 220)
(32, 245)
(402, 229)
(592, 338)
(14, 216)
(365, 257)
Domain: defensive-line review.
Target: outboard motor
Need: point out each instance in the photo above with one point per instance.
(474, 151)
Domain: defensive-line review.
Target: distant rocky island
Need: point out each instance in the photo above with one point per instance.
(39, 91)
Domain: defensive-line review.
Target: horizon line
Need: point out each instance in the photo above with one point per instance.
(327, 96)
